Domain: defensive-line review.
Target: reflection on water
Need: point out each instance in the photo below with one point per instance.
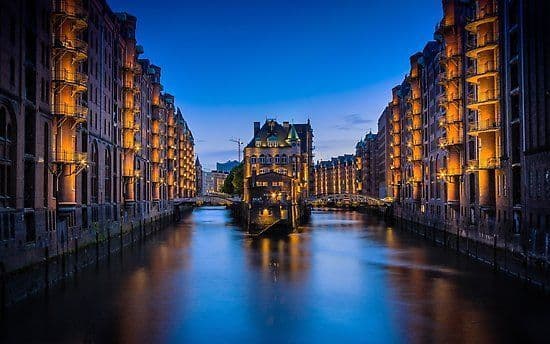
(346, 276)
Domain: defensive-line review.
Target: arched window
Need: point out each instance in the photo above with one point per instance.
(95, 173)
(262, 159)
(253, 159)
(7, 152)
(107, 176)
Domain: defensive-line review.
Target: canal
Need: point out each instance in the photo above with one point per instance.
(346, 276)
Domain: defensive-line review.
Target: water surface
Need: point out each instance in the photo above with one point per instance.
(346, 277)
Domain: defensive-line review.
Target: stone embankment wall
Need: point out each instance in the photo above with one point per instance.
(41, 268)
(502, 252)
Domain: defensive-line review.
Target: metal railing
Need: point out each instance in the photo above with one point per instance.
(486, 125)
(70, 43)
(69, 157)
(73, 8)
(75, 78)
(483, 97)
(450, 141)
(483, 13)
(485, 164)
(78, 111)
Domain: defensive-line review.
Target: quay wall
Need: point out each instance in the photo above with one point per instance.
(501, 250)
(29, 271)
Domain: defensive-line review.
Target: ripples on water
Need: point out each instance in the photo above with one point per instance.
(345, 277)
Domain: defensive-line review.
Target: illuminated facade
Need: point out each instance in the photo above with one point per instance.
(285, 149)
(470, 149)
(337, 176)
(87, 136)
(366, 161)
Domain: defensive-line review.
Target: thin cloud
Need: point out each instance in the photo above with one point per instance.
(354, 120)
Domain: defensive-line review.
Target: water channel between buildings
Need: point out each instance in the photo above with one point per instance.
(345, 277)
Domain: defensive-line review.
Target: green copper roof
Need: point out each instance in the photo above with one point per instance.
(292, 134)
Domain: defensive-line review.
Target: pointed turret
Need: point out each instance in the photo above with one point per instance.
(292, 134)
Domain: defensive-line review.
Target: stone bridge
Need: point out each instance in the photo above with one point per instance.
(209, 199)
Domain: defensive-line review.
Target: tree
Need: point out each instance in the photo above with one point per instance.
(228, 184)
(238, 179)
(233, 184)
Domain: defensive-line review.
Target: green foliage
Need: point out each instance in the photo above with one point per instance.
(233, 184)
(228, 184)
(238, 179)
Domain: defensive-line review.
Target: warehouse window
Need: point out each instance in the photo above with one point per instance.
(7, 149)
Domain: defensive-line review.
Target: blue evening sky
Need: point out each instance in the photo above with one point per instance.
(229, 63)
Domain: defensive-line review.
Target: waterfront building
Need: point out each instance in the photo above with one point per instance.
(213, 181)
(469, 125)
(226, 166)
(433, 199)
(383, 150)
(278, 171)
(338, 175)
(285, 149)
(87, 135)
(366, 161)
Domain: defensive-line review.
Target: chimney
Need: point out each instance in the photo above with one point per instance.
(256, 128)
(285, 124)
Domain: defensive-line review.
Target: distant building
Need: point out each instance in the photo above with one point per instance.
(383, 159)
(336, 176)
(367, 168)
(226, 166)
(213, 181)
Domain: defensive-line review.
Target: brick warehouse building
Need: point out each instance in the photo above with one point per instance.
(88, 138)
(469, 126)
(339, 175)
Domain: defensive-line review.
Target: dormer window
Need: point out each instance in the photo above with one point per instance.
(272, 141)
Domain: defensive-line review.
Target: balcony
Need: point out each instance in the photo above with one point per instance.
(448, 99)
(450, 172)
(484, 15)
(75, 46)
(483, 127)
(78, 112)
(484, 164)
(447, 142)
(482, 43)
(74, 79)
(451, 58)
(155, 156)
(487, 97)
(73, 10)
(131, 127)
(416, 142)
(65, 157)
(485, 70)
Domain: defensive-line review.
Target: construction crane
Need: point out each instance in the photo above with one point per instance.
(239, 144)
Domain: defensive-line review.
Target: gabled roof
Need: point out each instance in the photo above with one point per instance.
(283, 134)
